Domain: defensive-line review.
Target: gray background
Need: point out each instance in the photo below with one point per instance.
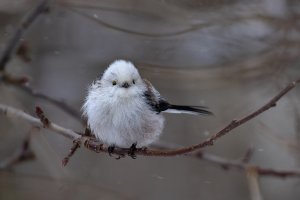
(230, 55)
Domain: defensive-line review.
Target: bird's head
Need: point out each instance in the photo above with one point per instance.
(122, 78)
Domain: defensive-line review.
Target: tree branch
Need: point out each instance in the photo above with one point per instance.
(28, 19)
(12, 44)
(15, 113)
(240, 165)
(22, 83)
(96, 146)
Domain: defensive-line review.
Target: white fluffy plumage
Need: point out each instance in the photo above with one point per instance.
(118, 115)
(121, 108)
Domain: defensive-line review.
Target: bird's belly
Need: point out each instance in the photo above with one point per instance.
(126, 124)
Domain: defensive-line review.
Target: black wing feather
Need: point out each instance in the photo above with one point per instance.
(158, 104)
(162, 105)
(155, 105)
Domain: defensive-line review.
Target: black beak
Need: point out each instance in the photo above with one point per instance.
(125, 85)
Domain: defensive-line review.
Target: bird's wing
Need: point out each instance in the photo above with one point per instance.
(154, 93)
(153, 98)
(159, 104)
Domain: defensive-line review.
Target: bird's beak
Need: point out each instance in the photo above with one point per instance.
(125, 85)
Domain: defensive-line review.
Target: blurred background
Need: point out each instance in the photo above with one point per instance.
(230, 55)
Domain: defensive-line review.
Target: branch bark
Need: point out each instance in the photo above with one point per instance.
(19, 82)
(240, 165)
(97, 146)
(22, 83)
(19, 114)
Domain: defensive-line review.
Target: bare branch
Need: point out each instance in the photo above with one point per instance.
(12, 44)
(224, 163)
(22, 83)
(240, 165)
(248, 155)
(28, 19)
(76, 145)
(15, 113)
(40, 113)
(96, 146)
(23, 52)
(144, 34)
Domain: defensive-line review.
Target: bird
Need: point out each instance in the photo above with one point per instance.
(124, 110)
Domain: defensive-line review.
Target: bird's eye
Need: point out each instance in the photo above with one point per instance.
(133, 81)
(114, 82)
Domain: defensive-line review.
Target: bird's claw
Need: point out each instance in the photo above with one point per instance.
(110, 150)
(132, 151)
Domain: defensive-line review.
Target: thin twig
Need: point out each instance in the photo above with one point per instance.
(22, 83)
(19, 114)
(75, 146)
(12, 44)
(96, 146)
(224, 163)
(137, 33)
(40, 113)
(28, 19)
(248, 155)
(23, 52)
(240, 165)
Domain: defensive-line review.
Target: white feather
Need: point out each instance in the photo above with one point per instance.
(174, 111)
(120, 116)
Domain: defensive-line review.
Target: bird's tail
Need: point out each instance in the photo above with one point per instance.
(194, 110)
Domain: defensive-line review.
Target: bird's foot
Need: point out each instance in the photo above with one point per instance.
(132, 150)
(110, 150)
(88, 132)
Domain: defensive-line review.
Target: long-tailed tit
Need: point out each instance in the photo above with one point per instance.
(122, 108)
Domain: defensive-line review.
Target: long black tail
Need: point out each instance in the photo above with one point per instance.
(195, 110)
